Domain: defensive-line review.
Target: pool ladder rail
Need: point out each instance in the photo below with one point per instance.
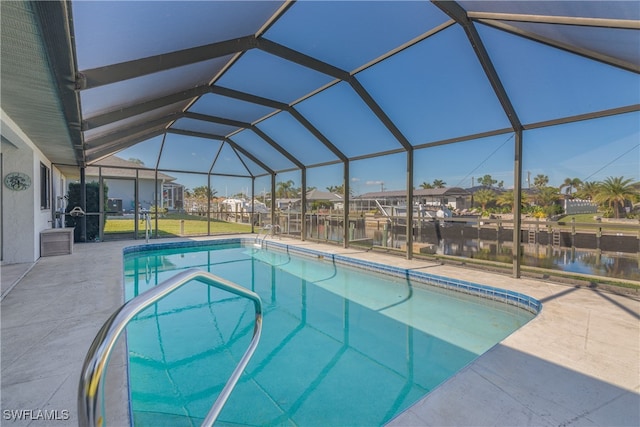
(146, 217)
(90, 390)
(269, 230)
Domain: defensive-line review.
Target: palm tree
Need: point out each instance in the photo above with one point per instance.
(614, 191)
(506, 199)
(540, 181)
(438, 183)
(484, 197)
(546, 197)
(570, 184)
(338, 189)
(284, 189)
(426, 186)
(203, 191)
(588, 190)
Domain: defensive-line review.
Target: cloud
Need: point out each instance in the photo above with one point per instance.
(354, 179)
(374, 182)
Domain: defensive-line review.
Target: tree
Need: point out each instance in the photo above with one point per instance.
(546, 198)
(484, 197)
(338, 189)
(506, 199)
(570, 184)
(540, 181)
(588, 190)
(426, 186)
(487, 181)
(197, 200)
(202, 192)
(136, 161)
(614, 191)
(285, 190)
(438, 183)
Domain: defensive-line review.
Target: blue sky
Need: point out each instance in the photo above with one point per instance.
(432, 91)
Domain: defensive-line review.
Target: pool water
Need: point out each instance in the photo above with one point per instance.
(340, 346)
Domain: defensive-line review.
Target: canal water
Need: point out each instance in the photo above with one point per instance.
(612, 255)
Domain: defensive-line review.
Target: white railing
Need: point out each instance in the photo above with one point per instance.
(90, 390)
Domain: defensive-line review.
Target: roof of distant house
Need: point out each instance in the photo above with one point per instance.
(422, 192)
(119, 168)
(323, 195)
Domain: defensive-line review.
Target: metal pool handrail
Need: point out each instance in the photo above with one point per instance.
(268, 229)
(90, 399)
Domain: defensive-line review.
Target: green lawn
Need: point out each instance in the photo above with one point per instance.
(175, 225)
(582, 218)
(588, 222)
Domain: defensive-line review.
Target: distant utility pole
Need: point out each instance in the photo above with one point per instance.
(382, 187)
(471, 182)
(528, 179)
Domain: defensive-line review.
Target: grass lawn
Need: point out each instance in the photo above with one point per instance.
(587, 222)
(176, 225)
(581, 218)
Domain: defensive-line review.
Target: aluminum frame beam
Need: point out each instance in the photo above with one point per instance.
(124, 132)
(143, 107)
(628, 24)
(215, 119)
(456, 12)
(231, 93)
(275, 145)
(100, 76)
(587, 53)
(223, 139)
(107, 150)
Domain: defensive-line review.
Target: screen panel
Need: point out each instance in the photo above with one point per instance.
(349, 34)
(113, 32)
(546, 83)
(436, 90)
(296, 139)
(259, 148)
(278, 79)
(343, 117)
(152, 86)
(229, 108)
(187, 153)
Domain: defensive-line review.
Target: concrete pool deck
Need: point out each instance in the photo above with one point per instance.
(576, 363)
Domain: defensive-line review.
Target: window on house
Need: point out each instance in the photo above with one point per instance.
(45, 187)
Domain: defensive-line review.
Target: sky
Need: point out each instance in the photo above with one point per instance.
(432, 91)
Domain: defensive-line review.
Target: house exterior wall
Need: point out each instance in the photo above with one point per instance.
(148, 192)
(22, 217)
(577, 206)
(123, 189)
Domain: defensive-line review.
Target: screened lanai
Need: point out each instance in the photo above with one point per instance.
(263, 102)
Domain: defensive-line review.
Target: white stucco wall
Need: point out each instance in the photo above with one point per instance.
(22, 218)
(123, 189)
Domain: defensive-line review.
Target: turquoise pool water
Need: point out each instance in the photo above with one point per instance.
(340, 346)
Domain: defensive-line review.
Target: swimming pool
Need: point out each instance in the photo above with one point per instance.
(342, 343)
